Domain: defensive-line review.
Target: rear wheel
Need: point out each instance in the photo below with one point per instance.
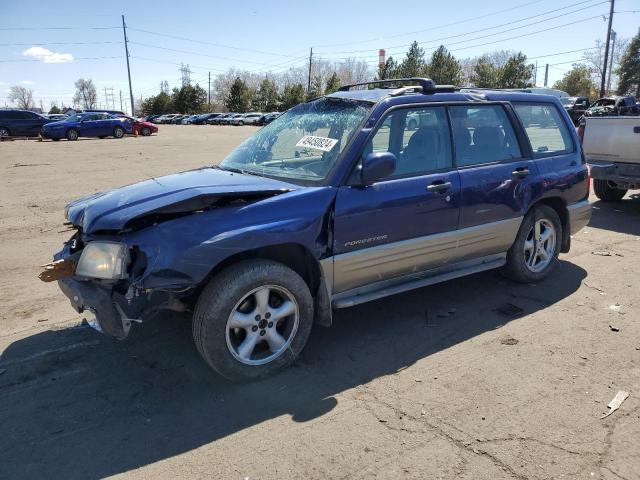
(253, 319)
(534, 253)
(4, 132)
(118, 132)
(146, 131)
(608, 192)
(72, 134)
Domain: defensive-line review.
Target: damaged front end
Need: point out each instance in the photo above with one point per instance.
(101, 276)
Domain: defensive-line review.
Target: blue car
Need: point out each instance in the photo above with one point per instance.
(88, 125)
(339, 201)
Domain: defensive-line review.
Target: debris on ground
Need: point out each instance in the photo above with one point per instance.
(615, 307)
(614, 404)
(509, 310)
(614, 328)
(509, 341)
(601, 253)
(602, 292)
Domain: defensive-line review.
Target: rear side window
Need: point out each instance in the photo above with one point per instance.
(11, 115)
(547, 131)
(483, 134)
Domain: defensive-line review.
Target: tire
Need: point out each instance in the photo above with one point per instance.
(5, 132)
(72, 135)
(118, 132)
(412, 125)
(239, 289)
(606, 192)
(145, 132)
(241, 123)
(528, 259)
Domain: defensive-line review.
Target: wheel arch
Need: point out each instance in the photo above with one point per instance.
(300, 260)
(560, 207)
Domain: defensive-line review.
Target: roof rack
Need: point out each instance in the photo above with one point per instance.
(426, 84)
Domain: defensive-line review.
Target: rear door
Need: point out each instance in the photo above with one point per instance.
(401, 224)
(497, 177)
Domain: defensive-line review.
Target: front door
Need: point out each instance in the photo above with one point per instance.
(400, 225)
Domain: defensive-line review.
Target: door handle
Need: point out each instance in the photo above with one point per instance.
(439, 186)
(520, 172)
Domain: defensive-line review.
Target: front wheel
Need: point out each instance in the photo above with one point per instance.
(72, 135)
(118, 132)
(253, 319)
(534, 253)
(606, 192)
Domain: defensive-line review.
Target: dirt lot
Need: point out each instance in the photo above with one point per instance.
(476, 378)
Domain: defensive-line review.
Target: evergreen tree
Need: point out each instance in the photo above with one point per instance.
(576, 82)
(54, 109)
(266, 97)
(388, 70)
(629, 70)
(291, 96)
(333, 84)
(413, 64)
(444, 69)
(239, 98)
(316, 88)
(189, 99)
(515, 73)
(485, 73)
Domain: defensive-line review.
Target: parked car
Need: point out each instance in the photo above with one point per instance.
(21, 123)
(616, 105)
(575, 107)
(55, 117)
(204, 119)
(218, 120)
(322, 209)
(612, 149)
(228, 119)
(88, 125)
(188, 119)
(177, 120)
(168, 118)
(139, 126)
(247, 119)
(267, 118)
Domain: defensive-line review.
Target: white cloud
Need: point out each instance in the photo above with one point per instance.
(47, 56)
(27, 82)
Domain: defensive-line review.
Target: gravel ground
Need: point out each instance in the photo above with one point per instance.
(477, 378)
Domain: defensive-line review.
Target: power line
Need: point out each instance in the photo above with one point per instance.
(175, 37)
(438, 40)
(74, 59)
(492, 27)
(59, 28)
(54, 43)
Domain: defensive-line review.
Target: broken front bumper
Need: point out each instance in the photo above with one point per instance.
(86, 295)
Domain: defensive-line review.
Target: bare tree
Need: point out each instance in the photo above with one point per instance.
(86, 95)
(22, 97)
(594, 59)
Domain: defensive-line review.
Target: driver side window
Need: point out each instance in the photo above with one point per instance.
(419, 138)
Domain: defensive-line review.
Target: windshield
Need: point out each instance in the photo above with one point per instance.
(76, 117)
(302, 144)
(567, 100)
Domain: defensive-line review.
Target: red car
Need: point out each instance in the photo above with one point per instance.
(140, 127)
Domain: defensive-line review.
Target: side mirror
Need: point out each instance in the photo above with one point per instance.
(377, 166)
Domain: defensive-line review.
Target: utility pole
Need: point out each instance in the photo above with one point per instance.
(126, 51)
(309, 79)
(546, 74)
(209, 90)
(606, 51)
(613, 46)
(121, 101)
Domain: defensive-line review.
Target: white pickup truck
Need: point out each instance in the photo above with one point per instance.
(612, 149)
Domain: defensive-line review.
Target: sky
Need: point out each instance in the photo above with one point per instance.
(47, 46)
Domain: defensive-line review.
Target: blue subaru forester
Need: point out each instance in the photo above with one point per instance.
(347, 198)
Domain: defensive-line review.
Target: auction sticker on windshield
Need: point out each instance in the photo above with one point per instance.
(319, 143)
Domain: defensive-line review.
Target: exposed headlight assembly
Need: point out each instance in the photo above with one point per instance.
(103, 260)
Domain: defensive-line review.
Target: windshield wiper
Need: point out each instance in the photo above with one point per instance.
(236, 170)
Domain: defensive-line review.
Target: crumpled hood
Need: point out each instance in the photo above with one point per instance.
(193, 189)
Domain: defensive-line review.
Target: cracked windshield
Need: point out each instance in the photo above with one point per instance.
(302, 144)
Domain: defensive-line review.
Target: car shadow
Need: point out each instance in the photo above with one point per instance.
(75, 404)
(621, 217)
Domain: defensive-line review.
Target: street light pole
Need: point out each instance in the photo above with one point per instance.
(606, 52)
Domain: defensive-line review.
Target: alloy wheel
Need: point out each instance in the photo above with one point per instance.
(540, 245)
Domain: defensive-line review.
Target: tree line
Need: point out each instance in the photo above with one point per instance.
(243, 91)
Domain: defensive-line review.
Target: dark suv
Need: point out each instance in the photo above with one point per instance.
(21, 123)
(334, 203)
(575, 107)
